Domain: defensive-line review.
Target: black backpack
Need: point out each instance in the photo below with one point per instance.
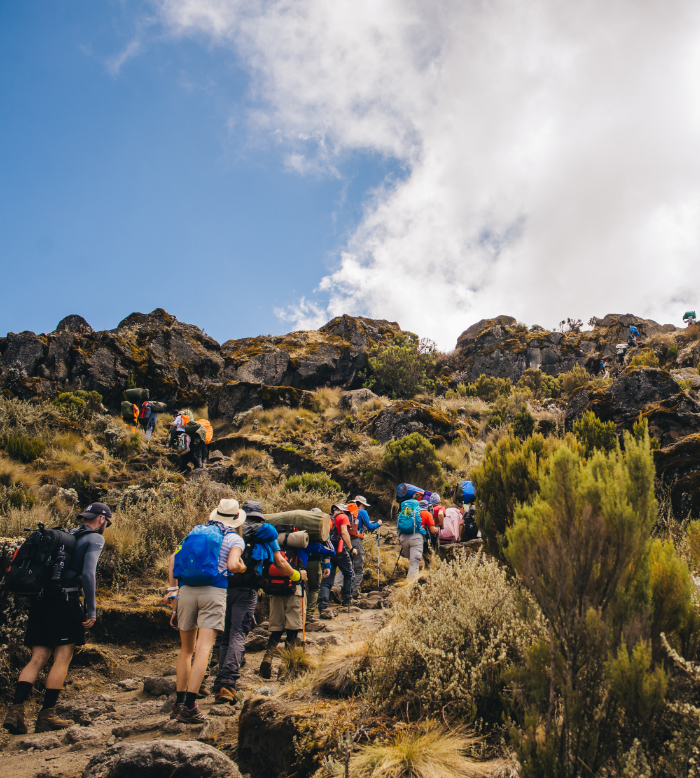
(42, 561)
(274, 581)
(469, 528)
(250, 579)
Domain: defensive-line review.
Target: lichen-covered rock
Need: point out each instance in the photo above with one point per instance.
(232, 399)
(678, 466)
(408, 416)
(355, 397)
(651, 392)
(275, 738)
(161, 759)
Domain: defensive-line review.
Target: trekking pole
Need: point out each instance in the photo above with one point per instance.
(303, 616)
(396, 565)
(379, 556)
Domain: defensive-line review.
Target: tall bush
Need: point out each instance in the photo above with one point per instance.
(594, 434)
(646, 358)
(400, 369)
(577, 376)
(489, 388)
(413, 459)
(507, 476)
(25, 449)
(540, 384)
(582, 546)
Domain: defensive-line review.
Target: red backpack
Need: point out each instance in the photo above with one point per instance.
(145, 411)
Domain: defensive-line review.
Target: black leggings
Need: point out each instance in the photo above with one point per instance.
(291, 635)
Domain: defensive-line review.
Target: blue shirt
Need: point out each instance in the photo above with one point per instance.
(363, 521)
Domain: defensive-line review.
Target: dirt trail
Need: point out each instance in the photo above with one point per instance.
(107, 710)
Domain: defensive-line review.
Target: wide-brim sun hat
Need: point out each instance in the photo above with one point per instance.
(228, 513)
(253, 509)
(341, 506)
(360, 499)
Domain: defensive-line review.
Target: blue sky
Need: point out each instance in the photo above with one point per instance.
(255, 166)
(130, 190)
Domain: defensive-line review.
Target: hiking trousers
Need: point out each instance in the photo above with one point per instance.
(313, 584)
(240, 609)
(358, 566)
(412, 549)
(338, 562)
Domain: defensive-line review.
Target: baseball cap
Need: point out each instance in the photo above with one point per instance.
(94, 510)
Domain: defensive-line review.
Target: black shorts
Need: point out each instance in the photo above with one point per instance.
(53, 621)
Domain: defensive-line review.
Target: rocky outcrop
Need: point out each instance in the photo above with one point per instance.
(408, 416)
(652, 393)
(355, 397)
(161, 759)
(678, 466)
(503, 348)
(226, 401)
(331, 356)
(275, 739)
(175, 361)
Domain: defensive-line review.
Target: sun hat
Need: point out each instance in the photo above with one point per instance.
(228, 513)
(423, 504)
(253, 510)
(435, 499)
(362, 500)
(341, 506)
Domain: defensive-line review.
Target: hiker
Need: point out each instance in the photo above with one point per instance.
(341, 560)
(147, 419)
(451, 525)
(413, 524)
(432, 529)
(287, 603)
(202, 566)
(261, 545)
(469, 529)
(633, 337)
(315, 573)
(57, 622)
(359, 523)
(177, 428)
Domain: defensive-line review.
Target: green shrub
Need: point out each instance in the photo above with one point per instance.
(489, 389)
(640, 430)
(79, 401)
(305, 482)
(523, 423)
(505, 409)
(694, 543)
(462, 390)
(646, 358)
(24, 449)
(582, 547)
(672, 352)
(540, 384)
(451, 642)
(507, 476)
(573, 379)
(594, 434)
(412, 459)
(400, 369)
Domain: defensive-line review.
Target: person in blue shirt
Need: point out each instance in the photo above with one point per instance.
(359, 524)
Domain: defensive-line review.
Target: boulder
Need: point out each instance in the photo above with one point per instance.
(75, 324)
(678, 466)
(78, 734)
(41, 743)
(255, 643)
(157, 685)
(273, 738)
(688, 374)
(230, 400)
(408, 416)
(355, 397)
(651, 392)
(213, 730)
(161, 759)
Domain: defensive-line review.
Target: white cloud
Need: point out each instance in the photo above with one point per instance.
(551, 149)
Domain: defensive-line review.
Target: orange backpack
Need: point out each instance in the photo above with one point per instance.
(207, 426)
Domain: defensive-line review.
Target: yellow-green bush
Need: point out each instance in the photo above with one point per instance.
(24, 449)
(400, 368)
(412, 459)
(308, 481)
(523, 423)
(80, 401)
(489, 388)
(540, 384)
(646, 358)
(594, 434)
(576, 377)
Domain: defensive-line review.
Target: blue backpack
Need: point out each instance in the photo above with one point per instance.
(409, 521)
(468, 492)
(197, 561)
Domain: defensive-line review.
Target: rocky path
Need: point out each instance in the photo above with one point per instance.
(120, 705)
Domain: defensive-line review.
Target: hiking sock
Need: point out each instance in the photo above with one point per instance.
(50, 698)
(22, 691)
(179, 697)
(190, 700)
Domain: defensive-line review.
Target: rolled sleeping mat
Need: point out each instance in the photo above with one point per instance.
(465, 493)
(317, 525)
(298, 539)
(127, 410)
(407, 492)
(157, 407)
(137, 396)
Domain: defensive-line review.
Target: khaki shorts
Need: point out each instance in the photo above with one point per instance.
(285, 612)
(201, 606)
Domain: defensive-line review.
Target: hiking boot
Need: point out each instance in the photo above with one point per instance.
(326, 615)
(226, 695)
(311, 619)
(47, 721)
(191, 715)
(14, 721)
(266, 664)
(177, 709)
(204, 691)
(335, 594)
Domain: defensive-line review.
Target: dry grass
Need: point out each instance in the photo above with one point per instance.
(252, 457)
(68, 441)
(327, 397)
(280, 419)
(295, 662)
(455, 459)
(373, 405)
(12, 473)
(15, 521)
(428, 751)
(68, 468)
(339, 669)
(388, 553)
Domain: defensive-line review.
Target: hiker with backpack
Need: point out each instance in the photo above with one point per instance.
(341, 560)
(432, 528)
(359, 524)
(199, 573)
(261, 547)
(58, 616)
(177, 429)
(413, 524)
